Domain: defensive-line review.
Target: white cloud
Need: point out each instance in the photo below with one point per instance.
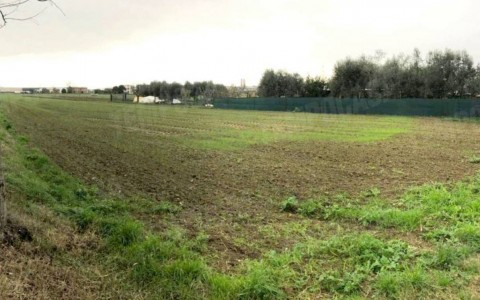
(103, 43)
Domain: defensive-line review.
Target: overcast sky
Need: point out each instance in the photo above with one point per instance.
(110, 42)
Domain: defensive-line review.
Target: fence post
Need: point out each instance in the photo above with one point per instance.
(3, 200)
(3, 205)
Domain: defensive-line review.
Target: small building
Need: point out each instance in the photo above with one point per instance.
(79, 90)
(243, 91)
(129, 89)
(11, 90)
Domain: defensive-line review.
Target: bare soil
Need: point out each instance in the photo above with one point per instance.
(14, 234)
(231, 194)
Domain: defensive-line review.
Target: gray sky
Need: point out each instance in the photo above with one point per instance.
(110, 42)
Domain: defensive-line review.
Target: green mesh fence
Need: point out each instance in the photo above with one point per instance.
(404, 107)
(121, 98)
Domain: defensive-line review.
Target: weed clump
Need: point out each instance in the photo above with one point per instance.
(310, 208)
(474, 159)
(446, 256)
(166, 207)
(290, 205)
(261, 282)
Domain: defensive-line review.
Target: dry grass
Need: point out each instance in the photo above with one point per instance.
(59, 263)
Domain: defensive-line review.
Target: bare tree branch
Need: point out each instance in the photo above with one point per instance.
(12, 11)
(13, 3)
(3, 18)
(13, 6)
(27, 18)
(58, 7)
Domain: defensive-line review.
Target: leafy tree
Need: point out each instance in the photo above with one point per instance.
(415, 76)
(472, 85)
(221, 91)
(315, 87)
(442, 74)
(174, 90)
(64, 91)
(280, 84)
(119, 89)
(187, 90)
(352, 77)
(268, 84)
(143, 90)
(205, 90)
(447, 73)
(198, 90)
(390, 80)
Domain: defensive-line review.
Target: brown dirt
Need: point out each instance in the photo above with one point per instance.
(436, 151)
(14, 234)
(219, 188)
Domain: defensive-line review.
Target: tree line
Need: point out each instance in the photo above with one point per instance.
(284, 84)
(197, 91)
(440, 74)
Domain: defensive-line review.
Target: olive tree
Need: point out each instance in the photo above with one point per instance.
(281, 84)
(352, 77)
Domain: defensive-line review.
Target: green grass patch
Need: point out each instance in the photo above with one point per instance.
(475, 159)
(212, 129)
(426, 208)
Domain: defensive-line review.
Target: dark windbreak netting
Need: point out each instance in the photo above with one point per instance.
(405, 107)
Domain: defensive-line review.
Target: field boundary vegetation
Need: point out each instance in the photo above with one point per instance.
(438, 75)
